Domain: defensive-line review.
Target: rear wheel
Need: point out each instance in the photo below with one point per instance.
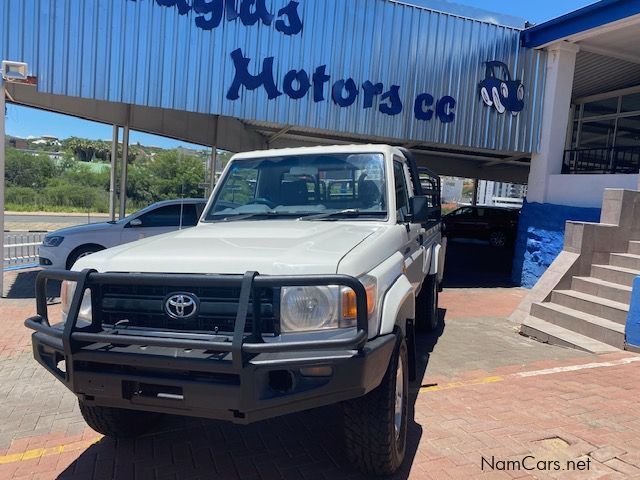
(376, 424)
(427, 318)
(498, 239)
(118, 422)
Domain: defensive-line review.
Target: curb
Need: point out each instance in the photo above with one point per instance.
(21, 267)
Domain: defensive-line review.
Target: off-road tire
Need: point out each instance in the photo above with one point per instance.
(427, 317)
(118, 422)
(370, 437)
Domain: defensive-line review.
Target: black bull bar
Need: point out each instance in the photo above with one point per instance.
(242, 345)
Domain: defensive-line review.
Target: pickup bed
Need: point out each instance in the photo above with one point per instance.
(302, 285)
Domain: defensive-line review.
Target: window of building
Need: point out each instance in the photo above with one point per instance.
(606, 123)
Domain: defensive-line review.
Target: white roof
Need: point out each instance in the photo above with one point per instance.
(369, 148)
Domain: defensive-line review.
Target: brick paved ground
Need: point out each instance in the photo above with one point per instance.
(479, 399)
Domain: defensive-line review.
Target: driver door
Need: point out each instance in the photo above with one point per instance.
(413, 250)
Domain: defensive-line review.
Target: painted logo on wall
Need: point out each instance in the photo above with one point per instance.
(498, 90)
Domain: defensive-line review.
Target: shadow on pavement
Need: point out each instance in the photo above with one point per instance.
(302, 445)
(22, 284)
(475, 264)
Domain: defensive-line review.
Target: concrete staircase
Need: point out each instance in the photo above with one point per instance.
(591, 315)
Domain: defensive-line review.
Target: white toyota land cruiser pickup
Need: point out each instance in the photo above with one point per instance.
(301, 286)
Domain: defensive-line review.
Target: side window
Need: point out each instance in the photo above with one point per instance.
(482, 212)
(190, 215)
(402, 195)
(169, 216)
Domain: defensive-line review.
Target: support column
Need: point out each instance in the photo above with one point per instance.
(112, 178)
(123, 172)
(214, 157)
(561, 62)
(474, 199)
(2, 181)
(214, 167)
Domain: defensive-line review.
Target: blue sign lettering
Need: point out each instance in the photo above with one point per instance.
(344, 93)
(211, 12)
(251, 82)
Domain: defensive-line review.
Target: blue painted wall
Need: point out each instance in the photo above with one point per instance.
(633, 320)
(541, 238)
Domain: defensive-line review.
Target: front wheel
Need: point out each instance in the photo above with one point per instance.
(427, 318)
(496, 100)
(118, 422)
(376, 424)
(80, 252)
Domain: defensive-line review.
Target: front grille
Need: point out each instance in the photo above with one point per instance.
(143, 306)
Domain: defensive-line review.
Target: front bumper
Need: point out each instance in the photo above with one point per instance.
(194, 383)
(52, 257)
(241, 378)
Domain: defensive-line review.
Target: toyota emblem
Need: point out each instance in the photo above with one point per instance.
(181, 305)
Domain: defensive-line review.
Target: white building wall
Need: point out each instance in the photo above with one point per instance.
(586, 190)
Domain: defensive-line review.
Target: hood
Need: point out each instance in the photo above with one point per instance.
(268, 247)
(82, 229)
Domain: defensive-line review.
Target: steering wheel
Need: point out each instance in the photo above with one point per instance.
(262, 201)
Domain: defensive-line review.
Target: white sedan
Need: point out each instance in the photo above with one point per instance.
(61, 249)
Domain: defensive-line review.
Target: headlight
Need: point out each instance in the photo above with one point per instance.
(520, 92)
(52, 241)
(67, 290)
(304, 309)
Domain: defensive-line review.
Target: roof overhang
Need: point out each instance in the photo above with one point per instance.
(581, 23)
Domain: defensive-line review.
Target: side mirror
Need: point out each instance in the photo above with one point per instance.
(136, 222)
(421, 212)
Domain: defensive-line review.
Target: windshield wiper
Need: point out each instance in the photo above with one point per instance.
(239, 217)
(350, 212)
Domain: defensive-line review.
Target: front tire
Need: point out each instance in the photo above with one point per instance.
(427, 318)
(80, 252)
(496, 100)
(118, 422)
(376, 424)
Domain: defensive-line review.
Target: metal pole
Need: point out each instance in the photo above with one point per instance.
(123, 172)
(474, 200)
(214, 155)
(2, 181)
(112, 178)
(214, 167)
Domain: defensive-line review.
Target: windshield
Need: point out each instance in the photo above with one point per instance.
(302, 185)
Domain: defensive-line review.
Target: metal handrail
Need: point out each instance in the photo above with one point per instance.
(608, 160)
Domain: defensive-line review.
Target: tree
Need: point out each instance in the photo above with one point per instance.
(27, 170)
(174, 176)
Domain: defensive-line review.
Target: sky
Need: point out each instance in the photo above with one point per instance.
(534, 11)
(24, 122)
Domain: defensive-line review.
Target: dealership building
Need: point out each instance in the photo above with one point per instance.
(473, 94)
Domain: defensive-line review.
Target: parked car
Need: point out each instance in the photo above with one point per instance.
(302, 286)
(499, 90)
(62, 248)
(498, 225)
